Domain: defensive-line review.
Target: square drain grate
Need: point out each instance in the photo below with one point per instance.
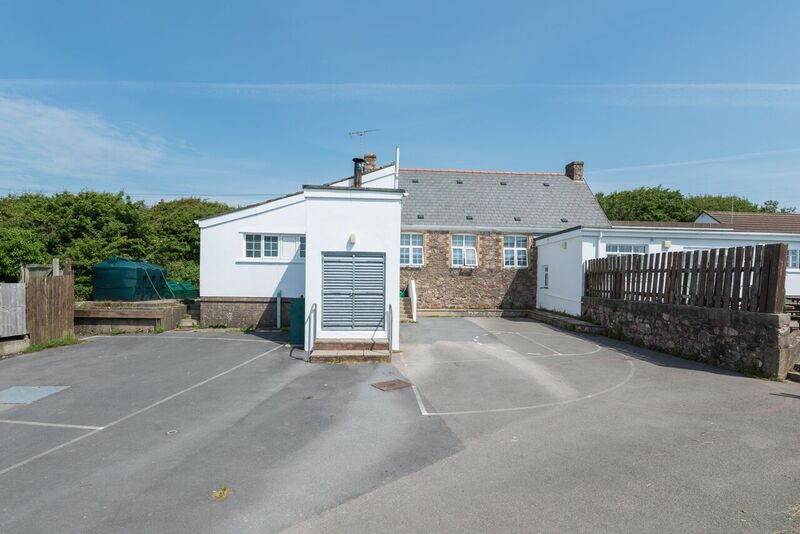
(27, 394)
(391, 384)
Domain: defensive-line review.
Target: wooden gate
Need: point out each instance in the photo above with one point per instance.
(50, 304)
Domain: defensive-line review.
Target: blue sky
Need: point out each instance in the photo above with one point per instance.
(244, 100)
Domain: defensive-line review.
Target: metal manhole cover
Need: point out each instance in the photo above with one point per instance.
(391, 384)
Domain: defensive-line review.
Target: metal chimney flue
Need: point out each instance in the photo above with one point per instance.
(358, 171)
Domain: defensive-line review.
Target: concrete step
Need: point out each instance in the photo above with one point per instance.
(351, 344)
(187, 322)
(567, 323)
(350, 356)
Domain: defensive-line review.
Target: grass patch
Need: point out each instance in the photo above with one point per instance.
(60, 342)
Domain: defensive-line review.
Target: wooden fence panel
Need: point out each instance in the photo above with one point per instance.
(12, 310)
(50, 307)
(737, 278)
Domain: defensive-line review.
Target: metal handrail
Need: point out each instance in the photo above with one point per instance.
(390, 327)
(312, 327)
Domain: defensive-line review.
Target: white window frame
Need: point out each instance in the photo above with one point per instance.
(544, 283)
(288, 248)
(411, 247)
(517, 252)
(635, 249)
(465, 250)
(793, 260)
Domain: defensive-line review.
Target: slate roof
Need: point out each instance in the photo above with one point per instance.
(532, 201)
(782, 223)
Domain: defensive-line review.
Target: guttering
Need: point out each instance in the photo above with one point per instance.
(451, 228)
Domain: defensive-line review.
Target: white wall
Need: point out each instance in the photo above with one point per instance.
(564, 257)
(331, 217)
(566, 278)
(385, 178)
(224, 270)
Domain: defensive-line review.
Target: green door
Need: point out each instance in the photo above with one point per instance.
(297, 312)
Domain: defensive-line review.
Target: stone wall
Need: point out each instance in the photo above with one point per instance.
(243, 312)
(489, 285)
(742, 341)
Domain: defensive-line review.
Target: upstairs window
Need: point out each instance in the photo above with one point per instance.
(411, 249)
(625, 250)
(515, 251)
(794, 258)
(464, 250)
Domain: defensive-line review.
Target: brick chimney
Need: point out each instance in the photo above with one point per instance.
(370, 162)
(358, 171)
(574, 171)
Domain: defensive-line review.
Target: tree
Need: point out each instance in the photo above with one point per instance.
(700, 203)
(18, 246)
(646, 204)
(174, 238)
(772, 206)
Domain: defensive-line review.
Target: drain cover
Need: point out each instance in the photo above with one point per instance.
(391, 384)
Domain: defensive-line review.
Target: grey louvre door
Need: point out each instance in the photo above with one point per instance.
(353, 288)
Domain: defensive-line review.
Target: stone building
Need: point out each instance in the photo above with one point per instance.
(351, 246)
(468, 237)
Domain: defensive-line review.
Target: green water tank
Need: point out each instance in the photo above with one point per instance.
(128, 280)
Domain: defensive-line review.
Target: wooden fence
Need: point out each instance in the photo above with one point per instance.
(12, 310)
(740, 278)
(50, 306)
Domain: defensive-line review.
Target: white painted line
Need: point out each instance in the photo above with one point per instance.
(546, 405)
(54, 425)
(137, 412)
(422, 409)
(530, 356)
(555, 352)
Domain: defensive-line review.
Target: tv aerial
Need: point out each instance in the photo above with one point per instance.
(361, 133)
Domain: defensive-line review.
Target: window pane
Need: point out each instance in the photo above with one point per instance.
(641, 249)
(625, 248)
(302, 246)
(270, 246)
(469, 240)
(471, 258)
(508, 241)
(405, 239)
(252, 246)
(416, 240)
(522, 258)
(522, 241)
(458, 240)
(417, 256)
(508, 258)
(404, 255)
(458, 256)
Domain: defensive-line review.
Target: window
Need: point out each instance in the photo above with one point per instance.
(252, 245)
(545, 283)
(464, 251)
(274, 247)
(794, 258)
(515, 251)
(270, 246)
(625, 250)
(411, 249)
